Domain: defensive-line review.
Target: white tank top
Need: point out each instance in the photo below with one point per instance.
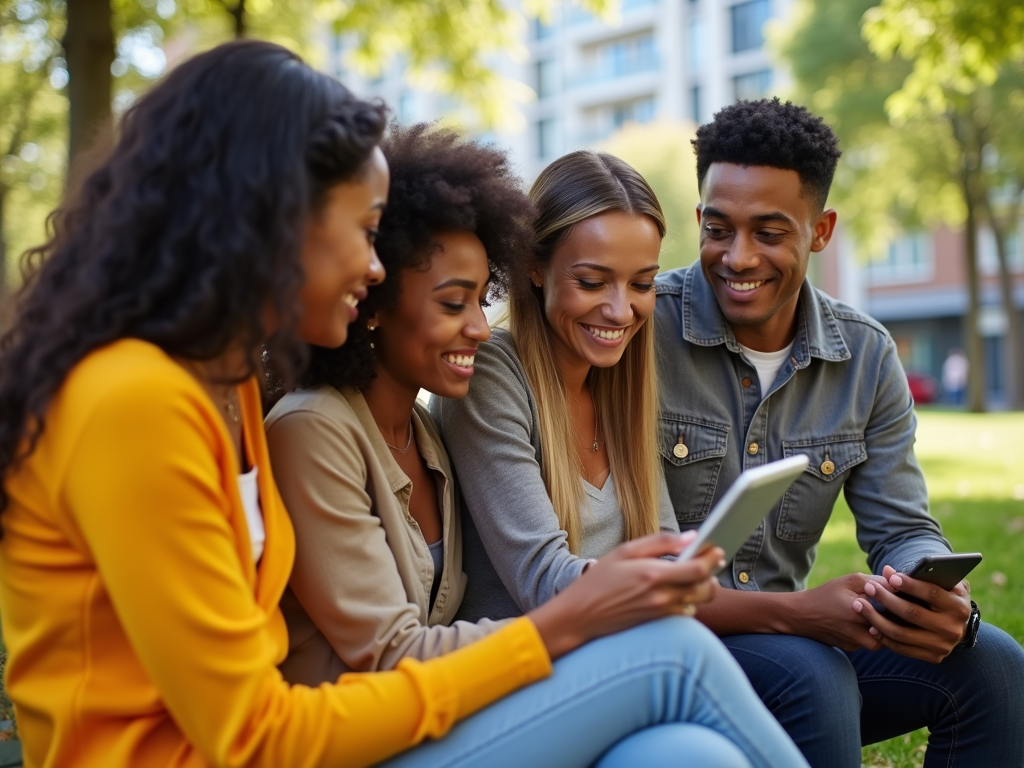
(249, 490)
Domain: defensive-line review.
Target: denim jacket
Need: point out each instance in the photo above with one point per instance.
(841, 398)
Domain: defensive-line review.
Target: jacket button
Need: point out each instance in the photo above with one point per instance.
(744, 577)
(753, 448)
(745, 382)
(827, 467)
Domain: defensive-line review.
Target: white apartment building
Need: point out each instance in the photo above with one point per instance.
(660, 59)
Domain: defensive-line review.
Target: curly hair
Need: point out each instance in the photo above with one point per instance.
(768, 132)
(190, 228)
(439, 183)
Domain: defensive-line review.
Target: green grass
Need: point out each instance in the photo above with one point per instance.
(974, 465)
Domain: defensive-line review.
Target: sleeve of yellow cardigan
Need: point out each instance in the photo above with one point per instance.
(144, 486)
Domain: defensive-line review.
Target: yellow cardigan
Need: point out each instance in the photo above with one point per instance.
(139, 631)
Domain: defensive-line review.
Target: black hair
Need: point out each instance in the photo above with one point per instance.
(189, 229)
(439, 183)
(770, 133)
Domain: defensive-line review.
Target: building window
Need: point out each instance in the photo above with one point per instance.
(546, 138)
(695, 103)
(697, 33)
(754, 85)
(406, 108)
(546, 78)
(988, 257)
(747, 24)
(639, 111)
(539, 30)
(620, 59)
(600, 122)
(908, 259)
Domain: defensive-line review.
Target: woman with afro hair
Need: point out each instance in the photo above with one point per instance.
(378, 574)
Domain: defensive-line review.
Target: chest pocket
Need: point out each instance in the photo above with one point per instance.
(808, 503)
(692, 451)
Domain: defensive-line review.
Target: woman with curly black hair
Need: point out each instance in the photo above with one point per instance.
(378, 574)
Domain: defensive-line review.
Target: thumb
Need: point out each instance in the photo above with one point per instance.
(655, 545)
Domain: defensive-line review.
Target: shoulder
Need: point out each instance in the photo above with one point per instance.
(497, 366)
(671, 283)
(500, 350)
(862, 327)
(135, 383)
(321, 422)
(322, 402)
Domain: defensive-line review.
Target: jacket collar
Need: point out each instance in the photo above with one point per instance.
(424, 441)
(817, 332)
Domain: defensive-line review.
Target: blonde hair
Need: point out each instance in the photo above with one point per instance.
(573, 188)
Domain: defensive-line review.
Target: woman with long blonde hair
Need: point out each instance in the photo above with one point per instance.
(555, 445)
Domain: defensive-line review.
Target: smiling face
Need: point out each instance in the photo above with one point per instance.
(599, 288)
(428, 339)
(757, 232)
(338, 256)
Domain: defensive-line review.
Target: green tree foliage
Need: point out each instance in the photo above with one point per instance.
(662, 153)
(32, 126)
(925, 95)
(448, 46)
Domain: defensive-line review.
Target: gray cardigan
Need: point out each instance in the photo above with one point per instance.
(514, 552)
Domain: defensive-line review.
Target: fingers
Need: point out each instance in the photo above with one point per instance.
(655, 545)
(911, 641)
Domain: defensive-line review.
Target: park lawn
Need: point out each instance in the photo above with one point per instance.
(974, 466)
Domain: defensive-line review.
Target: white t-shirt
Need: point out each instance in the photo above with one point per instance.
(250, 493)
(767, 365)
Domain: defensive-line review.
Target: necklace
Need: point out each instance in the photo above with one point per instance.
(230, 405)
(594, 445)
(408, 442)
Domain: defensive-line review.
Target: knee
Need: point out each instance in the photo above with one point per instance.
(796, 672)
(666, 745)
(996, 665)
(682, 633)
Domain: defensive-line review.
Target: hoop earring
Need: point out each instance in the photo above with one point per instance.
(371, 329)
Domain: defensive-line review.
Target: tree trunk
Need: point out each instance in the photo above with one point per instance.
(3, 258)
(966, 135)
(6, 294)
(89, 50)
(238, 14)
(973, 344)
(1014, 342)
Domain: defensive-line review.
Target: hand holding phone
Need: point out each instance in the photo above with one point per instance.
(944, 570)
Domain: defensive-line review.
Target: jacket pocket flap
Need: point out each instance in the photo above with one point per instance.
(829, 457)
(684, 439)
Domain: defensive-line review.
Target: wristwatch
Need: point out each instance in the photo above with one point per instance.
(973, 624)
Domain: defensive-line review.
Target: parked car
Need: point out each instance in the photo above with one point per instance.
(923, 388)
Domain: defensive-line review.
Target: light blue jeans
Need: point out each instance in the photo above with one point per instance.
(666, 693)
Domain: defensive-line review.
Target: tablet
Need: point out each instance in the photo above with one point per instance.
(744, 506)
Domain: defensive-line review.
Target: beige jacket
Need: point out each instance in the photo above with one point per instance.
(359, 592)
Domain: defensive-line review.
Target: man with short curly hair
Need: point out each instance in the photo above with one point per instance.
(756, 365)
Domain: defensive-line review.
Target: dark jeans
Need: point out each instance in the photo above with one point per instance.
(831, 702)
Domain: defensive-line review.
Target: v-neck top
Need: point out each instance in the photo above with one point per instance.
(604, 528)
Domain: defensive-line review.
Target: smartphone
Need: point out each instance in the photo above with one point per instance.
(945, 570)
